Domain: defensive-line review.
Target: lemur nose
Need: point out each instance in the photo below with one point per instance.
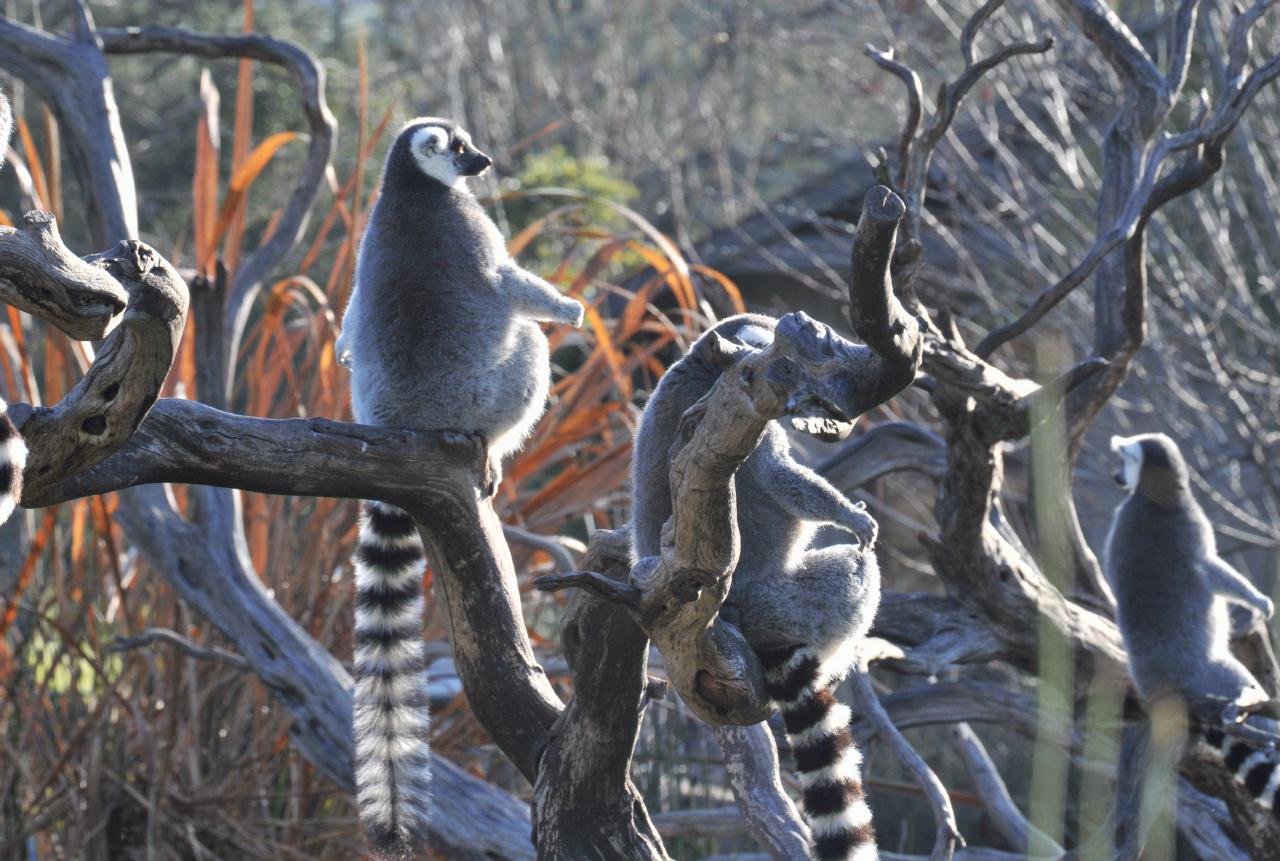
(483, 162)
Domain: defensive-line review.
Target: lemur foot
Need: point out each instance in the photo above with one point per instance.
(474, 446)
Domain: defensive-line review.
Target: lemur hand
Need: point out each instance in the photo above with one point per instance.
(342, 349)
(573, 311)
(862, 525)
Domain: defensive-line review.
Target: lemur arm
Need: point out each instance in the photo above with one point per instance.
(806, 495)
(1231, 584)
(537, 299)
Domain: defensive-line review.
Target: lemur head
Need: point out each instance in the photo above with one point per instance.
(439, 149)
(1151, 463)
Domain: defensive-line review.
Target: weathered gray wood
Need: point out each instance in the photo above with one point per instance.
(101, 413)
(70, 74)
(40, 275)
(584, 773)
(751, 760)
(188, 442)
(1005, 817)
(947, 837)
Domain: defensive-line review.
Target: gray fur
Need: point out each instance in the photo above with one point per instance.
(1171, 591)
(441, 332)
(803, 610)
(1171, 586)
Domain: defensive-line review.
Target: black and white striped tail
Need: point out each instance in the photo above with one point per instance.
(13, 457)
(827, 761)
(1256, 767)
(393, 765)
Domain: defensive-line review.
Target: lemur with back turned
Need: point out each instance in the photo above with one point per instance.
(1171, 590)
(802, 610)
(13, 452)
(441, 332)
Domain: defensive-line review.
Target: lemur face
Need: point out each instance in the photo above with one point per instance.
(1153, 452)
(443, 151)
(1130, 450)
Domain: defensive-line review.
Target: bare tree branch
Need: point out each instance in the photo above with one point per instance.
(947, 838)
(40, 275)
(308, 74)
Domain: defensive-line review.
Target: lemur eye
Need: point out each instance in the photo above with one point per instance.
(459, 147)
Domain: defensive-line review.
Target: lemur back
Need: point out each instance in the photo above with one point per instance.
(802, 610)
(440, 333)
(439, 345)
(1171, 590)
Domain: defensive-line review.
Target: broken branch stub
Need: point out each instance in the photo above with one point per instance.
(40, 275)
(101, 413)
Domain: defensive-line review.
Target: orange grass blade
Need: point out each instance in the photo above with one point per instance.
(34, 163)
(204, 180)
(244, 177)
(53, 146)
(240, 143)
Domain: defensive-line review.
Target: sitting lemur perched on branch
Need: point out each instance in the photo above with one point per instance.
(441, 332)
(802, 610)
(1172, 591)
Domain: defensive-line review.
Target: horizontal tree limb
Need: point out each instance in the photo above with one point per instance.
(186, 442)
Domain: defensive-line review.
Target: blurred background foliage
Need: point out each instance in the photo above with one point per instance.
(639, 148)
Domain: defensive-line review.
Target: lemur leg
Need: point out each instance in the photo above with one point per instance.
(826, 602)
(537, 299)
(1231, 584)
(806, 625)
(803, 493)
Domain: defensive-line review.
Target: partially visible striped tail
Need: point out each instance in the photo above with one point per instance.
(393, 762)
(827, 761)
(1256, 767)
(13, 457)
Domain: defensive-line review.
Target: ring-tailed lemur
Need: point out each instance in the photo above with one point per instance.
(13, 452)
(441, 332)
(1172, 590)
(803, 611)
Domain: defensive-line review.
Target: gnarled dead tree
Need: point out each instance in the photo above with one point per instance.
(1001, 605)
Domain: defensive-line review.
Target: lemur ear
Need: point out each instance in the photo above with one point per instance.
(724, 353)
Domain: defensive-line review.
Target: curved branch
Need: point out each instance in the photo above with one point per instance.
(1004, 814)
(101, 413)
(185, 442)
(884, 449)
(71, 76)
(751, 760)
(308, 73)
(40, 275)
(877, 317)
(915, 98)
(948, 838)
